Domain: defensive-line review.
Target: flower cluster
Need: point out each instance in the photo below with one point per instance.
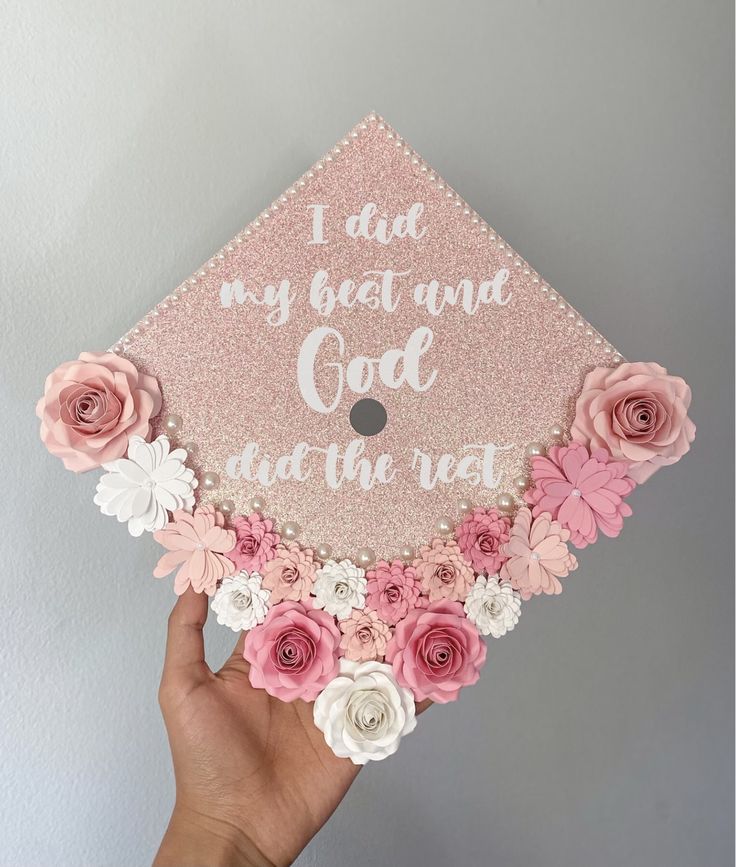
(364, 646)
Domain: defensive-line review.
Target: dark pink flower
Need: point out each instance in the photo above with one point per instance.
(584, 492)
(294, 652)
(255, 543)
(392, 590)
(480, 537)
(436, 651)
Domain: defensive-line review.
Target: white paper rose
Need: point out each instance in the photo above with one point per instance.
(339, 587)
(240, 601)
(363, 712)
(141, 488)
(494, 608)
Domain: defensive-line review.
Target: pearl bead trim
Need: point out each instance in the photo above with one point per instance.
(514, 260)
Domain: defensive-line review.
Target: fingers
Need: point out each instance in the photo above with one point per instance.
(184, 660)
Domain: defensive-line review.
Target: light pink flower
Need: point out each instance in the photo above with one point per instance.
(436, 651)
(443, 572)
(197, 544)
(638, 412)
(392, 590)
(537, 555)
(584, 492)
(364, 636)
(90, 407)
(290, 573)
(294, 653)
(480, 537)
(255, 542)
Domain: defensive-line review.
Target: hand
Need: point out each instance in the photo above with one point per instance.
(255, 779)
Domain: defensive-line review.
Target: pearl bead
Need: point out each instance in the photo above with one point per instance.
(521, 483)
(444, 525)
(257, 504)
(365, 557)
(324, 551)
(406, 552)
(290, 530)
(210, 481)
(557, 432)
(173, 423)
(464, 506)
(505, 502)
(227, 507)
(535, 450)
(190, 448)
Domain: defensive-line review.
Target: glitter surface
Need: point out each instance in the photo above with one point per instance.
(504, 375)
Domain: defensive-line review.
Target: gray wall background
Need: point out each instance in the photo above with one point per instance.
(597, 137)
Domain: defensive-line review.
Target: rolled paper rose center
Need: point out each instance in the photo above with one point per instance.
(365, 634)
(293, 652)
(639, 416)
(392, 593)
(487, 543)
(289, 574)
(249, 545)
(342, 591)
(242, 600)
(445, 574)
(493, 607)
(440, 654)
(367, 713)
(89, 410)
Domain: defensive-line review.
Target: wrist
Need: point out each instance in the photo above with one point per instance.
(193, 839)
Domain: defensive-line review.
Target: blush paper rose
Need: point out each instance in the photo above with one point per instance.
(364, 636)
(436, 651)
(393, 589)
(290, 573)
(638, 412)
(443, 572)
(480, 537)
(255, 542)
(294, 652)
(91, 407)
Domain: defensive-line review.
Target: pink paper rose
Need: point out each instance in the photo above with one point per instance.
(290, 573)
(294, 652)
(443, 572)
(480, 537)
(392, 590)
(196, 543)
(436, 651)
(255, 542)
(537, 555)
(364, 636)
(638, 412)
(584, 492)
(90, 407)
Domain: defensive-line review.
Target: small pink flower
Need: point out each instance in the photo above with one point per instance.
(294, 652)
(443, 572)
(364, 636)
(584, 492)
(255, 542)
(197, 544)
(392, 590)
(480, 537)
(437, 651)
(537, 555)
(637, 412)
(92, 406)
(290, 573)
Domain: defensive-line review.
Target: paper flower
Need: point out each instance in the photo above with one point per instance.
(584, 492)
(392, 590)
(443, 572)
(637, 412)
(293, 653)
(364, 636)
(537, 555)
(339, 587)
(197, 544)
(436, 651)
(255, 542)
(241, 602)
(290, 573)
(141, 488)
(90, 408)
(494, 608)
(480, 537)
(364, 713)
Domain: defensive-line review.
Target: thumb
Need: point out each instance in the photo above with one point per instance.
(184, 664)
